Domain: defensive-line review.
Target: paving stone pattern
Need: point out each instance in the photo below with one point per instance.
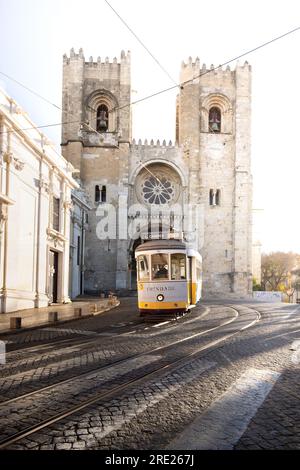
(91, 427)
(152, 415)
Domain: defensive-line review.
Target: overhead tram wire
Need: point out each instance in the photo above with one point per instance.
(118, 148)
(132, 32)
(142, 44)
(41, 127)
(30, 90)
(181, 85)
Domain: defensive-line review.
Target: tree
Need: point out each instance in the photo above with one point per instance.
(276, 270)
(256, 286)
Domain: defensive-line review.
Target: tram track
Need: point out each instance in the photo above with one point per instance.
(72, 342)
(119, 388)
(58, 342)
(77, 342)
(111, 364)
(94, 335)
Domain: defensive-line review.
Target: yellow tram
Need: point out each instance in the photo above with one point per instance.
(169, 277)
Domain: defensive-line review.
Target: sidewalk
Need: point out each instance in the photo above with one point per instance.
(54, 314)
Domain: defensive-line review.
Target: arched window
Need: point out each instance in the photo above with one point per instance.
(97, 193)
(214, 121)
(218, 197)
(100, 194)
(102, 118)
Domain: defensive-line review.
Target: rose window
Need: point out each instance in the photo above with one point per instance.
(157, 190)
(157, 184)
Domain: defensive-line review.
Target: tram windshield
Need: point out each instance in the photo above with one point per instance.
(178, 266)
(160, 266)
(143, 268)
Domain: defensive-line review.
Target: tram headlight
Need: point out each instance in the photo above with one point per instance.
(160, 297)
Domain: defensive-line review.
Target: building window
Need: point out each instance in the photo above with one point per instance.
(78, 251)
(172, 222)
(97, 193)
(102, 118)
(55, 213)
(103, 194)
(214, 197)
(214, 123)
(100, 194)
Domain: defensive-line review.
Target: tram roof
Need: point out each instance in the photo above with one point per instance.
(161, 245)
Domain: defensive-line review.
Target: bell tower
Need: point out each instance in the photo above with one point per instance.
(213, 128)
(96, 135)
(95, 100)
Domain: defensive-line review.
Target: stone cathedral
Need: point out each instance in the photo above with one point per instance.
(208, 167)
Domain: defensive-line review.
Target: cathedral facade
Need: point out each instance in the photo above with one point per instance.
(198, 189)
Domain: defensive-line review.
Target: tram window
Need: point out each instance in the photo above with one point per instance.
(178, 269)
(160, 266)
(143, 268)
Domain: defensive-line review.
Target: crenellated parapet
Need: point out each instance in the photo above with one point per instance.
(154, 151)
(73, 56)
(100, 68)
(192, 71)
(151, 143)
(125, 58)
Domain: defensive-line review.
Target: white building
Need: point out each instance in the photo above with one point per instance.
(35, 202)
(79, 225)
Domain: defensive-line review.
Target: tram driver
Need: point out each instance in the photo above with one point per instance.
(162, 272)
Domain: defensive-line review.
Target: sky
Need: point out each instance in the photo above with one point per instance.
(34, 34)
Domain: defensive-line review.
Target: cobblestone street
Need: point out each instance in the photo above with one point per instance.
(226, 376)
